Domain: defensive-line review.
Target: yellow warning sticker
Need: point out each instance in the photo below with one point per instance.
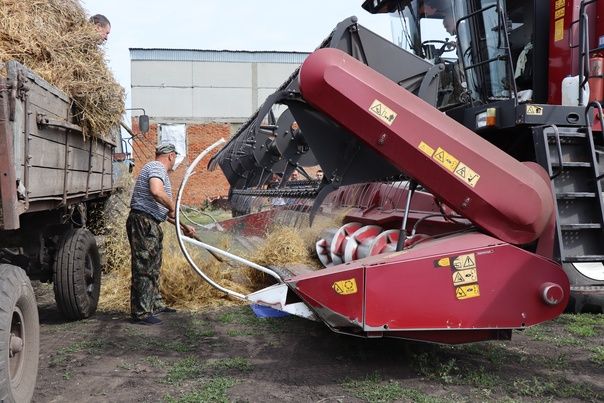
(465, 277)
(442, 262)
(426, 149)
(463, 262)
(559, 30)
(559, 13)
(466, 174)
(445, 159)
(534, 110)
(384, 113)
(467, 291)
(345, 287)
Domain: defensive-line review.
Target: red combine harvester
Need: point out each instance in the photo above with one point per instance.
(461, 173)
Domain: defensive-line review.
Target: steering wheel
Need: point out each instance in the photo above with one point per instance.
(447, 46)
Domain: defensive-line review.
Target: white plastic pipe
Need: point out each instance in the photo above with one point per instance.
(181, 238)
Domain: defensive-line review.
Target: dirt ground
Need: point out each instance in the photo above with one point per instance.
(229, 355)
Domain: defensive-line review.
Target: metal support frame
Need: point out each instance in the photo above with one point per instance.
(8, 190)
(66, 174)
(402, 236)
(26, 137)
(89, 173)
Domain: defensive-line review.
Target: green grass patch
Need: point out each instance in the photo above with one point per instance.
(582, 325)
(376, 390)
(430, 366)
(155, 361)
(553, 388)
(58, 359)
(556, 362)
(159, 344)
(533, 387)
(213, 391)
(63, 355)
(482, 379)
(63, 327)
(240, 332)
(198, 330)
(236, 363)
(89, 346)
(247, 324)
(539, 333)
(184, 369)
(126, 365)
(498, 354)
(597, 356)
(241, 316)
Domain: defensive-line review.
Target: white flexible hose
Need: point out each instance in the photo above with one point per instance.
(181, 238)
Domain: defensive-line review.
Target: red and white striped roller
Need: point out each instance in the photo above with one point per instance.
(339, 241)
(360, 241)
(384, 242)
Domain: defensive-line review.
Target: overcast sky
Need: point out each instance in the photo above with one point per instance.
(283, 25)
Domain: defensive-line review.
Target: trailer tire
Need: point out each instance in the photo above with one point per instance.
(77, 274)
(19, 336)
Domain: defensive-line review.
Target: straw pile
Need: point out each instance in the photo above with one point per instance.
(283, 246)
(55, 40)
(179, 285)
(288, 246)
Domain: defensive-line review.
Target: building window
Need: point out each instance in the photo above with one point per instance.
(175, 133)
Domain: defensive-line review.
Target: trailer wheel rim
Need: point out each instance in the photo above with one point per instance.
(16, 347)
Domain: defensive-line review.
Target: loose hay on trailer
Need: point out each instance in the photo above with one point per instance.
(55, 40)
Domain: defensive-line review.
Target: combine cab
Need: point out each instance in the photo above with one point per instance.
(457, 198)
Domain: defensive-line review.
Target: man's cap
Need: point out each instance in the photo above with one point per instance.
(166, 148)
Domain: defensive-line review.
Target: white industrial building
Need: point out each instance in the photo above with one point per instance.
(197, 86)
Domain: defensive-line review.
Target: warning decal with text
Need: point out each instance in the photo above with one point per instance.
(465, 262)
(467, 291)
(462, 171)
(384, 113)
(345, 287)
(466, 174)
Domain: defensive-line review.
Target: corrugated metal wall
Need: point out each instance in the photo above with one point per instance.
(203, 85)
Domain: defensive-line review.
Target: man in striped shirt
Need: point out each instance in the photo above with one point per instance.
(151, 204)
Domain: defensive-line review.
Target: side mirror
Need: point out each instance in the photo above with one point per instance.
(143, 123)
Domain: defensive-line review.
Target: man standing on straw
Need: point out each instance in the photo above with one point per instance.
(151, 205)
(102, 24)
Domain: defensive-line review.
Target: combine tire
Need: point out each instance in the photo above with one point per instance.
(19, 336)
(77, 274)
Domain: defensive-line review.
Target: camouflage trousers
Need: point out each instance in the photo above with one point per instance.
(146, 245)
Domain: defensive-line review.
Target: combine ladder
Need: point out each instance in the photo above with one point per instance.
(569, 154)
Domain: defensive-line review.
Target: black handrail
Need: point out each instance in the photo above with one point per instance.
(583, 48)
(509, 66)
(558, 149)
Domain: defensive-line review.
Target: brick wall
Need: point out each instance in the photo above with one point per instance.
(202, 186)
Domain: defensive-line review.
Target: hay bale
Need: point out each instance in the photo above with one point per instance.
(55, 40)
